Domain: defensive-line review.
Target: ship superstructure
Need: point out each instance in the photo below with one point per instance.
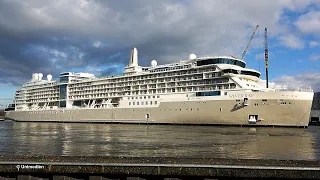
(205, 90)
(82, 90)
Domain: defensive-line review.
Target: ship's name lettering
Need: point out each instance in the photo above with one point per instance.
(240, 95)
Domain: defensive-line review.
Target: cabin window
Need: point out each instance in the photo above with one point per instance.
(155, 102)
(129, 103)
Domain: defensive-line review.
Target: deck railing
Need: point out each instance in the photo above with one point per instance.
(295, 90)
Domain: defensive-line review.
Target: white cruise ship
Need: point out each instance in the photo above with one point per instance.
(205, 90)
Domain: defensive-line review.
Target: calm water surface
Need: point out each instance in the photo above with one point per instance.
(157, 141)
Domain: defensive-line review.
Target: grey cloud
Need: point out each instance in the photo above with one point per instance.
(163, 30)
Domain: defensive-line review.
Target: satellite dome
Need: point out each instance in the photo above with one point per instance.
(49, 77)
(192, 56)
(154, 63)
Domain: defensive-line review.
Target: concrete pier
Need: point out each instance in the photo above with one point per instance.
(65, 167)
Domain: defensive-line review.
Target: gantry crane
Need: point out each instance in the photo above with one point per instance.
(249, 42)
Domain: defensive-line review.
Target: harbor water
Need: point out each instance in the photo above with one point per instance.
(84, 139)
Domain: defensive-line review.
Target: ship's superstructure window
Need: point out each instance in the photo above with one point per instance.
(63, 94)
(211, 93)
(243, 72)
(221, 61)
(63, 103)
(64, 79)
(169, 68)
(63, 91)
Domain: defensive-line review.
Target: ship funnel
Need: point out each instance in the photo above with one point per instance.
(134, 57)
(34, 76)
(40, 75)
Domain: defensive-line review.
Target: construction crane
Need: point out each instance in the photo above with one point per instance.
(248, 44)
(266, 55)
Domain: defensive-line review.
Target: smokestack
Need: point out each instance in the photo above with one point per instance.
(134, 57)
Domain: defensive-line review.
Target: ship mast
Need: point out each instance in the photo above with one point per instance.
(266, 55)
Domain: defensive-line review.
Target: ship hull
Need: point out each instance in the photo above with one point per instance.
(293, 112)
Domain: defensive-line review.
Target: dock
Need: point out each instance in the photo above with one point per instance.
(92, 168)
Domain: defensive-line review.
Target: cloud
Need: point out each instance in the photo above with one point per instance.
(5, 84)
(291, 41)
(300, 81)
(53, 36)
(313, 44)
(263, 83)
(309, 23)
(314, 57)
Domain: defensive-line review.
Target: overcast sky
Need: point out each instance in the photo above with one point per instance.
(51, 36)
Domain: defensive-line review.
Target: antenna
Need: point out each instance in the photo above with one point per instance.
(266, 55)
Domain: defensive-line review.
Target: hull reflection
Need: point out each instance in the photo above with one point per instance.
(157, 141)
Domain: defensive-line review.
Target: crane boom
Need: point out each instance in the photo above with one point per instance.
(266, 55)
(247, 46)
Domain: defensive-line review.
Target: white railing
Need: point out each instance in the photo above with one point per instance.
(295, 90)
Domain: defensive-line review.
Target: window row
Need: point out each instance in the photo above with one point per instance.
(143, 103)
(144, 97)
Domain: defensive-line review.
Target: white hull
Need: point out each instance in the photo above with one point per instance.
(280, 109)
